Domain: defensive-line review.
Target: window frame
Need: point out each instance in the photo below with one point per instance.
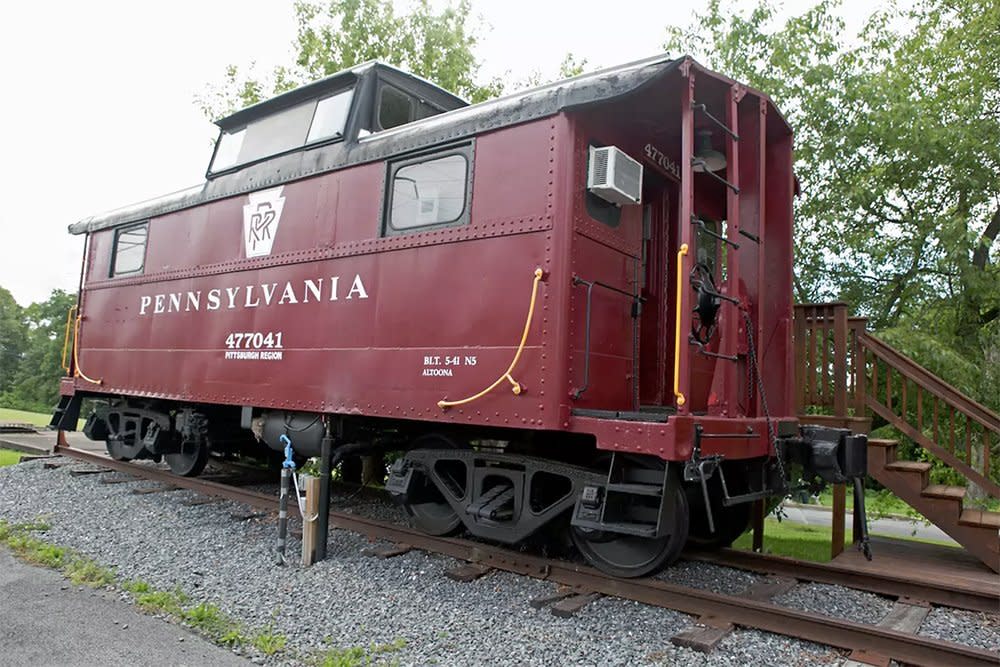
(378, 106)
(112, 272)
(466, 150)
(305, 145)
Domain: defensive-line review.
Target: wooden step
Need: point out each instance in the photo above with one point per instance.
(980, 519)
(944, 491)
(921, 467)
(878, 442)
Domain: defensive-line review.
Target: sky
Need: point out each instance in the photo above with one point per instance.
(98, 98)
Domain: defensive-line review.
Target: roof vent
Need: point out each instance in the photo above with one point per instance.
(614, 176)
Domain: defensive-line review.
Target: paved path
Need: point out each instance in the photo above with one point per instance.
(45, 621)
(815, 516)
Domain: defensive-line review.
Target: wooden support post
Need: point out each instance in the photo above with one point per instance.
(309, 521)
(757, 519)
(839, 519)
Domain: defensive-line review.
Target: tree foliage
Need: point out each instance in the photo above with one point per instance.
(12, 335)
(335, 35)
(32, 383)
(897, 155)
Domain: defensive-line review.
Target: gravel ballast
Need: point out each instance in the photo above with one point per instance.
(222, 553)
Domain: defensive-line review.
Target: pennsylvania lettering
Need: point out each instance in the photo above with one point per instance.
(253, 296)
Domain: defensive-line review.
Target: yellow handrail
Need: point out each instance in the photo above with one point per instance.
(515, 386)
(677, 331)
(69, 323)
(76, 353)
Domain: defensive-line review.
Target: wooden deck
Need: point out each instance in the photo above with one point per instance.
(924, 562)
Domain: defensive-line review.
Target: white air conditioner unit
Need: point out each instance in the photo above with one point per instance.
(614, 176)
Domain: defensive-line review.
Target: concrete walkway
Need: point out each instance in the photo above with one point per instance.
(46, 621)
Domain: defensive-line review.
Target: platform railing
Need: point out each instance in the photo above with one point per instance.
(959, 431)
(845, 375)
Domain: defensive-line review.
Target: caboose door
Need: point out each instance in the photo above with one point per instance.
(656, 324)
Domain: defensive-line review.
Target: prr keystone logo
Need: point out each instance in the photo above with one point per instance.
(260, 221)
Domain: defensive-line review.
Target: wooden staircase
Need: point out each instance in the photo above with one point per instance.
(976, 530)
(846, 377)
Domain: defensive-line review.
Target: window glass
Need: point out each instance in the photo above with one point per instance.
(330, 116)
(229, 149)
(284, 130)
(130, 249)
(277, 133)
(395, 108)
(428, 193)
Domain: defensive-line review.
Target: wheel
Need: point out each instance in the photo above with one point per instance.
(116, 450)
(190, 460)
(633, 556)
(730, 522)
(124, 448)
(427, 507)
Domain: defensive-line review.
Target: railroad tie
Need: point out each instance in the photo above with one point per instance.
(704, 635)
(561, 593)
(384, 552)
(155, 489)
(708, 631)
(200, 500)
(569, 606)
(906, 615)
(117, 480)
(467, 572)
(76, 472)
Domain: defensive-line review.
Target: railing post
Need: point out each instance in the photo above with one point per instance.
(840, 360)
(860, 369)
(800, 359)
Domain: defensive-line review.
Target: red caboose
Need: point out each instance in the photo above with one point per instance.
(570, 306)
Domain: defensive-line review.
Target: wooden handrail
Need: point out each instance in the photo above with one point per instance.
(932, 383)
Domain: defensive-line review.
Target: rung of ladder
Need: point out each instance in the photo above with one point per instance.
(695, 220)
(698, 106)
(697, 160)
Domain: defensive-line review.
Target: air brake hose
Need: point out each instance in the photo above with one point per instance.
(516, 387)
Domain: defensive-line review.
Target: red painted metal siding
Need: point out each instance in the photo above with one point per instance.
(449, 292)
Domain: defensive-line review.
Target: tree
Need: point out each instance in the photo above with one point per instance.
(12, 334)
(897, 154)
(332, 36)
(35, 383)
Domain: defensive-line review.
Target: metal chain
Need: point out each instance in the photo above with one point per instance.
(753, 370)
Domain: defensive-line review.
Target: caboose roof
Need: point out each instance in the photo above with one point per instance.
(580, 91)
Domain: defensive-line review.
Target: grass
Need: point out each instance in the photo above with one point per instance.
(9, 458)
(783, 538)
(268, 642)
(795, 540)
(23, 416)
(356, 656)
(80, 570)
(204, 618)
(33, 418)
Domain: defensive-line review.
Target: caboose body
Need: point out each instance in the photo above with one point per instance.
(572, 302)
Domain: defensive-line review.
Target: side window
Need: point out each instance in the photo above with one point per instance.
(129, 255)
(394, 108)
(429, 190)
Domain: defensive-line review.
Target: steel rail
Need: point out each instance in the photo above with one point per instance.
(895, 585)
(830, 631)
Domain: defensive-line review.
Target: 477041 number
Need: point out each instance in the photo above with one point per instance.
(254, 340)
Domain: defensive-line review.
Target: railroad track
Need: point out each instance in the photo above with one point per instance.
(869, 641)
